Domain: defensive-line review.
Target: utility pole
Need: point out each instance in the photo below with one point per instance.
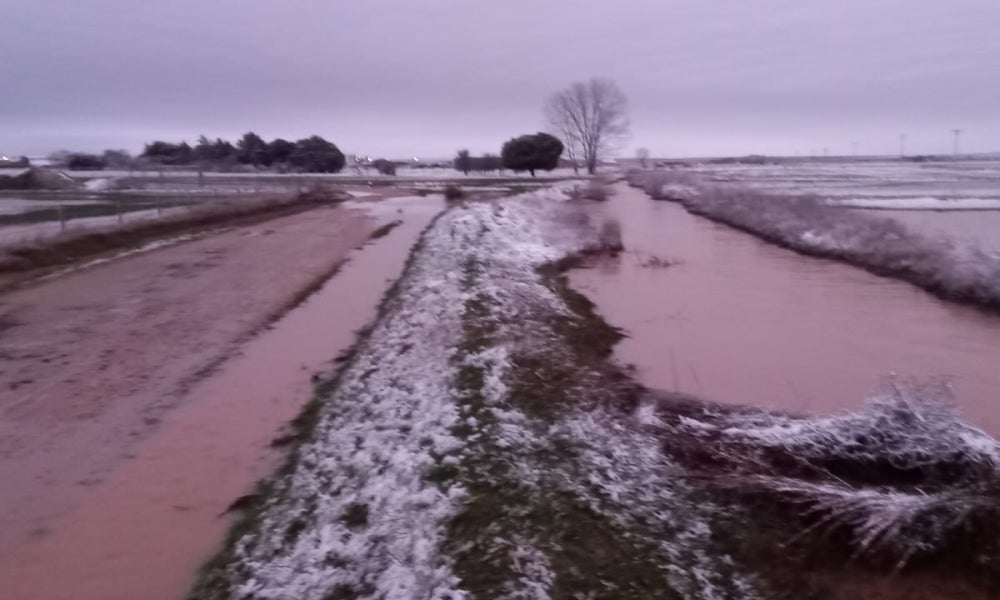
(958, 135)
(902, 144)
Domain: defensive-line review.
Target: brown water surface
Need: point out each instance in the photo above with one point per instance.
(145, 530)
(738, 320)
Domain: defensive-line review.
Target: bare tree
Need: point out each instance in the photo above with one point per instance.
(590, 117)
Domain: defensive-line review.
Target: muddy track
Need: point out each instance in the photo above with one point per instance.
(92, 360)
(26, 262)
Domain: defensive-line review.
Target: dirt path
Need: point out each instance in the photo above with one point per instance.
(92, 361)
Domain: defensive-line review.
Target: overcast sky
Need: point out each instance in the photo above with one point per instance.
(426, 77)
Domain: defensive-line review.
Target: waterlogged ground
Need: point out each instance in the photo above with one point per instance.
(147, 529)
(719, 314)
(481, 442)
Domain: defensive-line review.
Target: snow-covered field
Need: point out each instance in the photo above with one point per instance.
(972, 184)
(933, 191)
(948, 263)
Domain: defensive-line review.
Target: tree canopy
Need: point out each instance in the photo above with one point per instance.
(314, 154)
(532, 152)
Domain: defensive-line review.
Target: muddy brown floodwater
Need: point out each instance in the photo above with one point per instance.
(148, 525)
(733, 319)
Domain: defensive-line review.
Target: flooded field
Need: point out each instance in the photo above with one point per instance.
(144, 528)
(723, 315)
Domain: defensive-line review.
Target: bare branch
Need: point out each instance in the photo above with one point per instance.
(591, 118)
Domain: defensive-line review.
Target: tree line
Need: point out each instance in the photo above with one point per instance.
(589, 118)
(532, 152)
(310, 155)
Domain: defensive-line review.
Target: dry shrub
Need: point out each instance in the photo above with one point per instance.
(453, 192)
(597, 190)
(610, 236)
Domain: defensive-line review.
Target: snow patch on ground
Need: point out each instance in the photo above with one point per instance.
(100, 184)
(366, 517)
(919, 203)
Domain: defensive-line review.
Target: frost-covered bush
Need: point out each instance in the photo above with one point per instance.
(806, 224)
(901, 479)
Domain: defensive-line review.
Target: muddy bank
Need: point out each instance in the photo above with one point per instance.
(717, 313)
(147, 526)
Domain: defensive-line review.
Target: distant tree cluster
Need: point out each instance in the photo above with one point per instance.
(313, 154)
(81, 161)
(532, 152)
(466, 163)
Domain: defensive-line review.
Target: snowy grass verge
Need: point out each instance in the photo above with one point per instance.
(806, 224)
(903, 482)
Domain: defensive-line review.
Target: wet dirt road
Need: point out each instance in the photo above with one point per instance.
(734, 319)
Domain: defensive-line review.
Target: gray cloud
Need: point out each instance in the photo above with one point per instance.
(405, 77)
